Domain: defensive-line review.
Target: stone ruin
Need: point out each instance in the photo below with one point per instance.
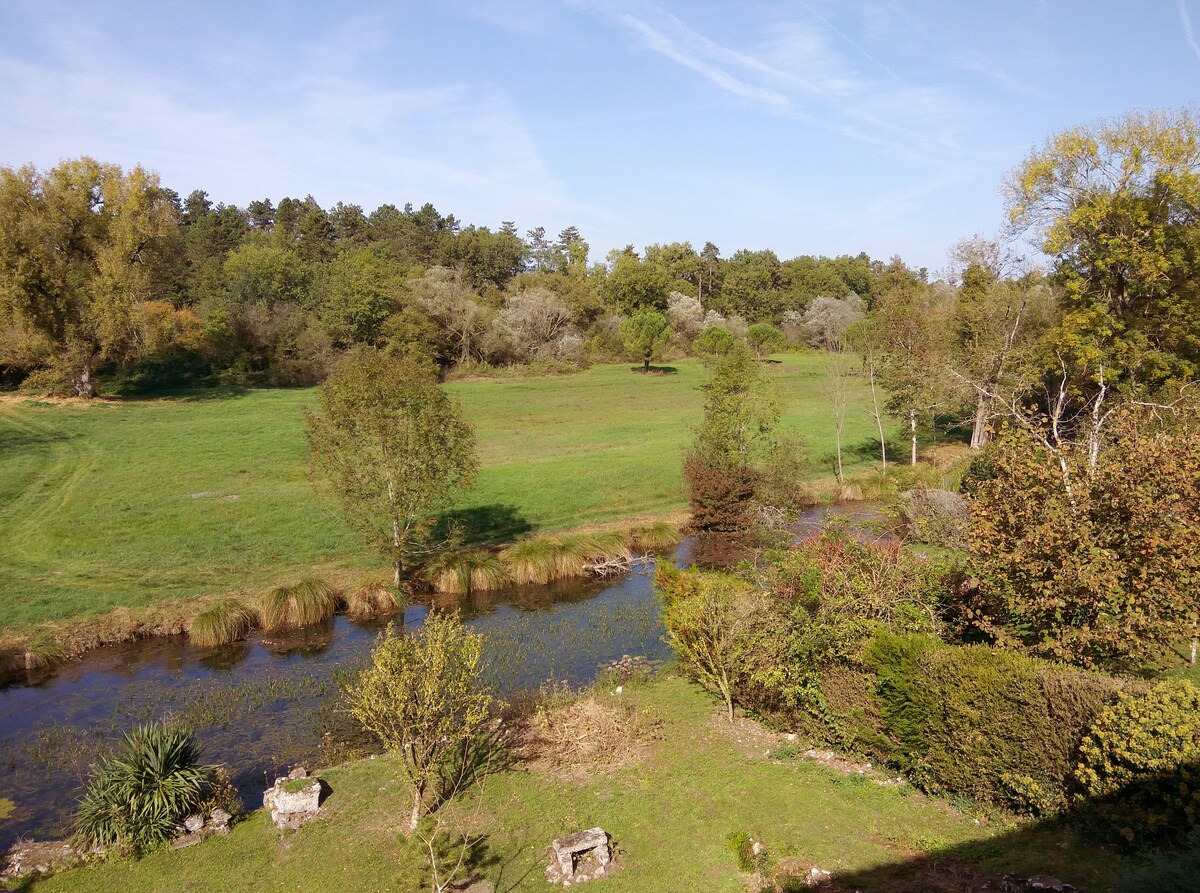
(197, 827)
(292, 805)
(579, 857)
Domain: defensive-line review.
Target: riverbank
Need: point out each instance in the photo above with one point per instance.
(671, 808)
(125, 504)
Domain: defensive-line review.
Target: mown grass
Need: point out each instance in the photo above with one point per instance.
(670, 816)
(124, 503)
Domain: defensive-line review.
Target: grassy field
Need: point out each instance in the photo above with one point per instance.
(670, 816)
(123, 503)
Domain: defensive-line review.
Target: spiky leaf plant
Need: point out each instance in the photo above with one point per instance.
(136, 798)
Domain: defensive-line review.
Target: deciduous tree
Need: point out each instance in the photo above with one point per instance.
(393, 448)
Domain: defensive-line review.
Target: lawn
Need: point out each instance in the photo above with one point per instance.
(670, 816)
(123, 503)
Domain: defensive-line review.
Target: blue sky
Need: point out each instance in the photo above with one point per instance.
(806, 127)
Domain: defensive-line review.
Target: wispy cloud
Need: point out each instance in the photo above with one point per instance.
(314, 126)
(1187, 28)
(799, 71)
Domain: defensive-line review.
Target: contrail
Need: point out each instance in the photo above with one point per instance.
(1187, 29)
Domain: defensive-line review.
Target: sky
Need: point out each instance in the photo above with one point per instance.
(808, 127)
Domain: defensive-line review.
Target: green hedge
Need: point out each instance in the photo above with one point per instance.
(989, 724)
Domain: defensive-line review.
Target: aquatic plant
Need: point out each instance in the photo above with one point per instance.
(655, 536)
(466, 570)
(309, 602)
(221, 623)
(371, 598)
(136, 797)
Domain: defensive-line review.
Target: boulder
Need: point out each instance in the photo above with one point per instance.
(194, 823)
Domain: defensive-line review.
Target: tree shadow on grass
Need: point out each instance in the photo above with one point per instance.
(485, 525)
(654, 370)
(1104, 846)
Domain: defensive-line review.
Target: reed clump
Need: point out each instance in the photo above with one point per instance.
(371, 598)
(656, 536)
(307, 603)
(222, 623)
(467, 570)
(532, 560)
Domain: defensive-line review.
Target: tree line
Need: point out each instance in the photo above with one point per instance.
(107, 273)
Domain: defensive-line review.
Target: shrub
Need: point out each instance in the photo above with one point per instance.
(221, 623)
(720, 628)
(720, 494)
(982, 722)
(1140, 760)
(838, 591)
(307, 603)
(423, 696)
(937, 517)
(137, 797)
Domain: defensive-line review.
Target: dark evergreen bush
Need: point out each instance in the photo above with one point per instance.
(982, 722)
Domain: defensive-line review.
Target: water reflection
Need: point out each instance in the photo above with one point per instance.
(262, 705)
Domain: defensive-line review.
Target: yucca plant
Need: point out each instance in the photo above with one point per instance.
(306, 603)
(370, 599)
(532, 560)
(655, 536)
(137, 797)
(466, 570)
(222, 623)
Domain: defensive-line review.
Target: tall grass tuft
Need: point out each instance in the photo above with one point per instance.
(605, 545)
(370, 599)
(222, 623)
(467, 570)
(307, 603)
(42, 653)
(532, 560)
(571, 555)
(656, 536)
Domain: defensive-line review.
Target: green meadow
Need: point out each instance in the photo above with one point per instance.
(121, 503)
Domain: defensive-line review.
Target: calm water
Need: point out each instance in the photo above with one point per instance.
(263, 705)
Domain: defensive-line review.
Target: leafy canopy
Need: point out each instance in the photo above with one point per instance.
(393, 448)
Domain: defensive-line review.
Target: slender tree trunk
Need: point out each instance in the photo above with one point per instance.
(979, 432)
(878, 418)
(912, 430)
(414, 818)
(82, 386)
(646, 365)
(837, 436)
